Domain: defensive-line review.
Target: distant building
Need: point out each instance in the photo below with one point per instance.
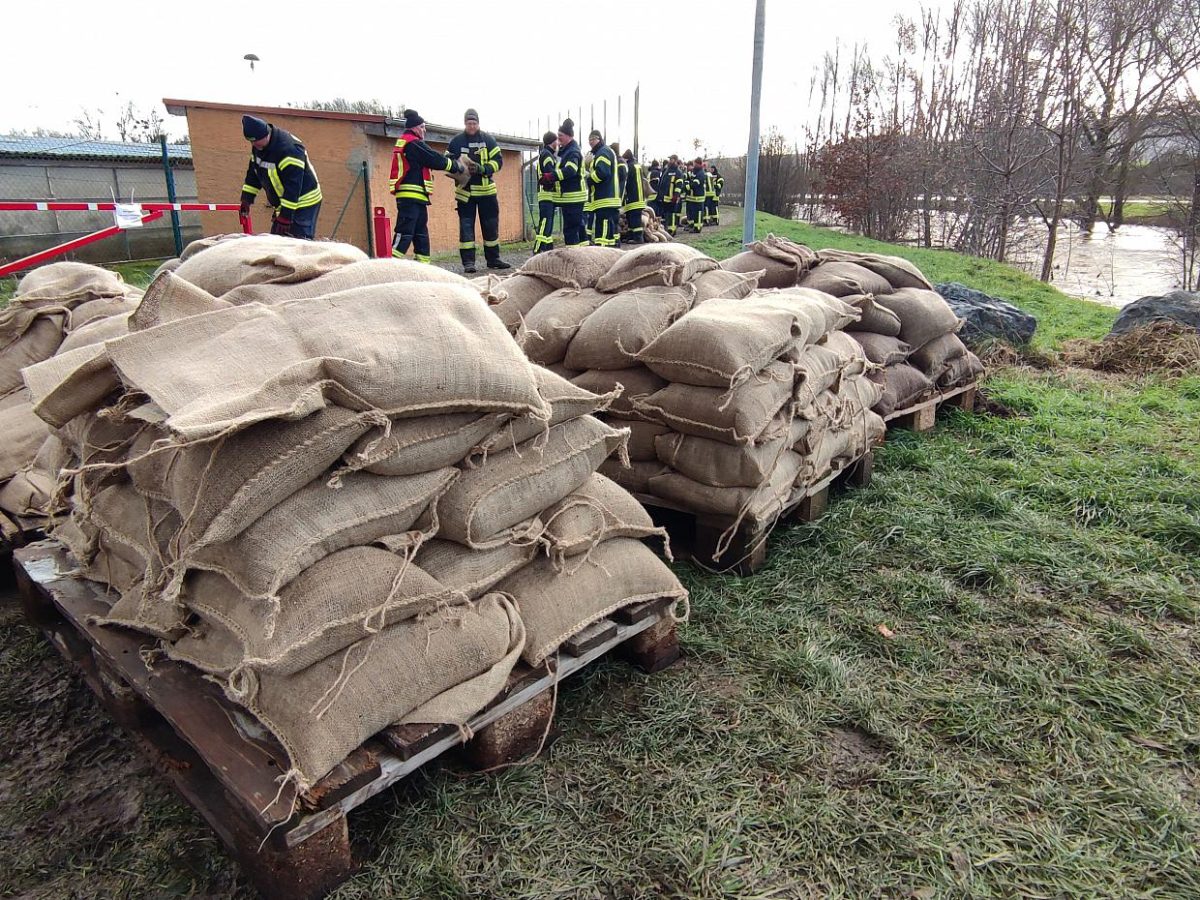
(339, 144)
(63, 168)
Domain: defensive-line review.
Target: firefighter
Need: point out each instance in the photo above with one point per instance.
(606, 197)
(484, 159)
(547, 192)
(697, 184)
(655, 175)
(280, 165)
(411, 181)
(713, 199)
(571, 193)
(670, 190)
(634, 199)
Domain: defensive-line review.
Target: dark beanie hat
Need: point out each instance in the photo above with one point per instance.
(595, 133)
(548, 138)
(254, 128)
(412, 118)
(567, 128)
(471, 116)
(628, 154)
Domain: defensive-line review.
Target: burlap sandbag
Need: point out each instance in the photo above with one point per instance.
(521, 293)
(73, 383)
(642, 436)
(102, 308)
(924, 315)
(95, 332)
(264, 259)
(34, 336)
(844, 279)
(724, 342)
(421, 349)
(599, 510)
(632, 384)
(412, 446)
(201, 244)
(474, 572)
(817, 369)
(934, 357)
(780, 248)
(572, 267)
(719, 283)
(859, 393)
(170, 298)
(318, 520)
(655, 264)
(854, 358)
(873, 317)
(556, 605)
(388, 270)
(440, 668)
(338, 600)
(756, 506)
(963, 370)
(612, 336)
(31, 493)
(902, 386)
(739, 416)
(68, 284)
(168, 265)
(900, 273)
(771, 273)
(555, 320)
(829, 312)
(881, 349)
(719, 464)
(635, 477)
(484, 504)
(23, 435)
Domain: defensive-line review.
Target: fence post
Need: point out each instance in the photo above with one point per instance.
(175, 232)
(370, 219)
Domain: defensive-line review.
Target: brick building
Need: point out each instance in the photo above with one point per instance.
(339, 144)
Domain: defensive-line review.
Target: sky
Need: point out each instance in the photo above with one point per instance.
(521, 65)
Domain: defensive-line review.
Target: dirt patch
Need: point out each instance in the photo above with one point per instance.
(986, 403)
(1161, 348)
(852, 755)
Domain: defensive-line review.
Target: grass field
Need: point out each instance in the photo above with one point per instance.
(979, 677)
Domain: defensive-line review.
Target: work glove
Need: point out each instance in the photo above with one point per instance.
(282, 225)
(244, 210)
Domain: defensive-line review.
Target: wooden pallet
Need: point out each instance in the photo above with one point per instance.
(16, 531)
(922, 416)
(697, 537)
(225, 764)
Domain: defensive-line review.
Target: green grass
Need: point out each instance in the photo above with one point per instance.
(1026, 724)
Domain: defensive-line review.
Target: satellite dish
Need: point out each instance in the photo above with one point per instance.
(251, 58)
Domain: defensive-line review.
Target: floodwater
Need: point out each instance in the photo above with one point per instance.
(1111, 267)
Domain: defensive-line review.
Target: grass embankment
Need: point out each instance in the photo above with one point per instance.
(978, 677)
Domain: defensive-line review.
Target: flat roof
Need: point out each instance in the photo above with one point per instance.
(25, 147)
(377, 125)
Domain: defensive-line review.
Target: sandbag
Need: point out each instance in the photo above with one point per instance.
(881, 349)
(555, 320)
(443, 668)
(960, 371)
(924, 315)
(572, 267)
(655, 264)
(318, 520)
(67, 284)
(412, 446)
(263, 259)
(23, 435)
(719, 464)
(843, 279)
(817, 369)
(484, 504)
(599, 510)
(34, 337)
(521, 293)
(100, 308)
(642, 436)
(474, 572)
(902, 386)
(873, 317)
(170, 298)
(31, 492)
(95, 332)
(771, 273)
(612, 336)
(934, 357)
(556, 605)
(854, 358)
(634, 383)
(338, 600)
(900, 273)
(740, 416)
(635, 477)
(72, 383)
(387, 270)
(719, 283)
(759, 505)
(423, 350)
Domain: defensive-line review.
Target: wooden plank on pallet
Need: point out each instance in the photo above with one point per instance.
(592, 636)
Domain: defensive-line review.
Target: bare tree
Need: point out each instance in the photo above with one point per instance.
(87, 124)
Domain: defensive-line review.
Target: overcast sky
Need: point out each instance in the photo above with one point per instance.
(517, 63)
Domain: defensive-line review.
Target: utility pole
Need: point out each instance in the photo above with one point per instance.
(637, 103)
(751, 201)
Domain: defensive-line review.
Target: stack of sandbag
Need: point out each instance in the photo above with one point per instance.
(54, 305)
(781, 262)
(653, 228)
(906, 328)
(349, 507)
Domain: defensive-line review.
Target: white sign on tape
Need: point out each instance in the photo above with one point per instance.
(128, 215)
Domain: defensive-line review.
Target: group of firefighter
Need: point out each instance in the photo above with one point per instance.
(589, 191)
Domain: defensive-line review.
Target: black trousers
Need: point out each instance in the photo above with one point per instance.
(572, 218)
(412, 230)
(606, 227)
(634, 229)
(487, 209)
(304, 222)
(545, 232)
(710, 211)
(670, 214)
(695, 213)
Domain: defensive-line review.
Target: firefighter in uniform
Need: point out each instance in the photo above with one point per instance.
(606, 196)
(655, 175)
(572, 195)
(411, 181)
(478, 196)
(670, 190)
(713, 199)
(547, 193)
(634, 199)
(697, 185)
(280, 166)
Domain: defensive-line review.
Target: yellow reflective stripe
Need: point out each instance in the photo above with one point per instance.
(290, 161)
(463, 245)
(275, 181)
(247, 189)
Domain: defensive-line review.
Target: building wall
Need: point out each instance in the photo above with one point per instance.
(337, 148)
